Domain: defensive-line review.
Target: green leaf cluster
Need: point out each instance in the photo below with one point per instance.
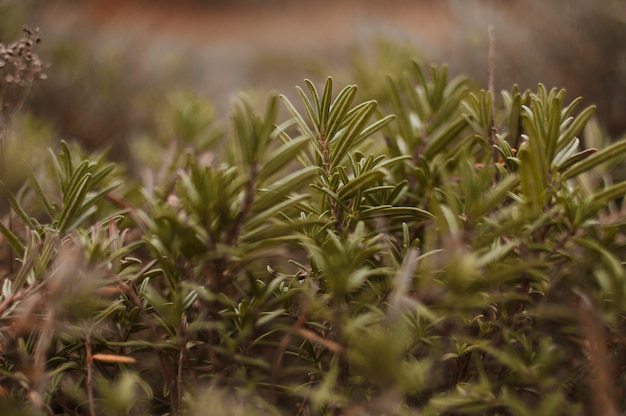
(438, 251)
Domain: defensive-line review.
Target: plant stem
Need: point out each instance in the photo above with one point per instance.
(92, 408)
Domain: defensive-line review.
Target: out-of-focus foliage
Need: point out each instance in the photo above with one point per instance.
(576, 44)
(421, 255)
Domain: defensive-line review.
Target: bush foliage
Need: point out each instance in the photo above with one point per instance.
(437, 250)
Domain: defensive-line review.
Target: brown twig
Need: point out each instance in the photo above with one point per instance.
(492, 89)
(182, 335)
(492, 72)
(89, 358)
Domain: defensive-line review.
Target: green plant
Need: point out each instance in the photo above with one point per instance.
(445, 259)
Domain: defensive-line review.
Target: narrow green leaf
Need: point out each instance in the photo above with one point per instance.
(356, 112)
(496, 253)
(569, 110)
(614, 151)
(442, 139)
(528, 122)
(495, 197)
(257, 218)
(401, 111)
(455, 93)
(280, 189)
(77, 177)
(576, 158)
(603, 198)
(324, 106)
(17, 207)
(102, 173)
(565, 153)
(353, 131)
(532, 182)
(418, 72)
(577, 126)
(514, 116)
(12, 239)
(93, 197)
(333, 196)
(308, 108)
(554, 124)
(316, 99)
(28, 261)
(359, 183)
(36, 185)
(409, 213)
(342, 174)
(339, 109)
(267, 124)
(281, 157)
(58, 170)
(73, 202)
(440, 80)
(272, 231)
(450, 218)
(609, 260)
(66, 158)
(417, 102)
(302, 125)
(374, 127)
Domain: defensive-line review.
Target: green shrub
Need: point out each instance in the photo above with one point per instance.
(443, 260)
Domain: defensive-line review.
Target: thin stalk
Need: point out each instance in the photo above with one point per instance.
(492, 90)
(182, 335)
(90, 398)
(39, 365)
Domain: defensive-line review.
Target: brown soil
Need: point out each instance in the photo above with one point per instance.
(229, 41)
(281, 24)
(219, 47)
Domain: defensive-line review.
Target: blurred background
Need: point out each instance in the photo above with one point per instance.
(111, 63)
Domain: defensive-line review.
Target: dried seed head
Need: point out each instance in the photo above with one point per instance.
(20, 67)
